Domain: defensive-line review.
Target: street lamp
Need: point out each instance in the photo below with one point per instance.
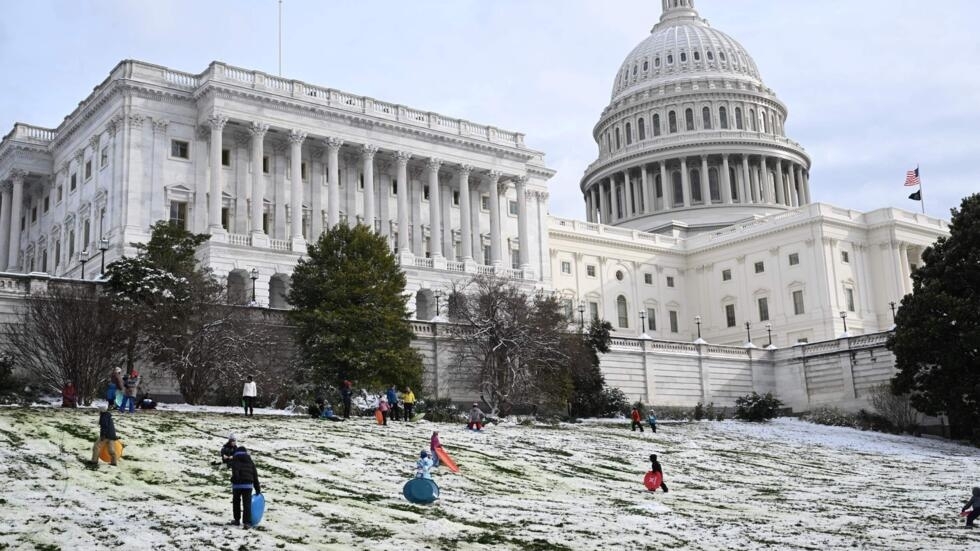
(643, 321)
(697, 320)
(581, 316)
(103, 246)
(438, 295)
(892, 304)
(748, 334)
(843, 317)
(83, 258)
(254, 274)
(769, 330)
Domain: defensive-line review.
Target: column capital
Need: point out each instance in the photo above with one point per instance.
(433, 164)
(135, 120)
(493, 176)
(6, 187)
(113, 125)
(333, 144)
(216, 122)
(93, 142)
(465, 170)
(520, 181)
(368, 151)
(258, 130)
(17, 176)
(403, 157)
(79, 155)
(160, 126)
(296, 137)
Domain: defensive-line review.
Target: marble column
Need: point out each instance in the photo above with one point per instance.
(806, 185)
(333, 181)
(630, 199)
(465, 224)
(318, 175)
(666, 186)
(794, 192)
(492, 188)
(476, 206)
(522, 233)
(726, 181)
(435, 210)
(217, 124)
(296, 139)
(257, 132)
(446, 206)
(402, 199)
(685, 183)
(16, 211)
(367, 158)
(598, 203)
(645, 192)
(705, 187)
(5, 198)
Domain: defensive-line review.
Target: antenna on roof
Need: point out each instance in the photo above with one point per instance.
(280, 38)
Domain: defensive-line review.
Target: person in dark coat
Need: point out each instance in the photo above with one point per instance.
(69, 396)
(107, 437)
(228, 450)
(975, 503)
(392, 396)
(243, 479)
(656, 468)
(345, 394)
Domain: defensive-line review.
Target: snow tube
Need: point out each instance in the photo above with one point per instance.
(652, 480)
(119, 399)
(418, 417)
(104, 451)
(444, 459)
(258, 508)
(379, 416)
(421, 490)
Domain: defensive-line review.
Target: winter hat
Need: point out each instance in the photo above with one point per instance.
(424, 453)
(232, 438)
(653, 457)
(104, 409)
(118, 369)
(384, 398)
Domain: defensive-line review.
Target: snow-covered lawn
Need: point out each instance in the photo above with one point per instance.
(784, 485)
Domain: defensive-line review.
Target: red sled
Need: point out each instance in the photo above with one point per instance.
(965, 513)
(652, 480)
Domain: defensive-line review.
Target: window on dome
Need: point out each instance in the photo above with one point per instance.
(634, 70)
(646, 66)
(706, 118)
(683, 57)
(678, 189)
(695, 185)
(721, 56)
(738, 118)
(656, 125)
(752, 119)
(672, 121)
(713, 189)
(670, 59)
(772, 124)
(656, 62)
(723, 118)
(711, 56)
(763, 127)
(697, 56)
(618, 143)
(629, 134)
(641, 130)
(689, 119)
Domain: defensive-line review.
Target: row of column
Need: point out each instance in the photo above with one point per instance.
(623, 195)
(11, 210)
(438, 227)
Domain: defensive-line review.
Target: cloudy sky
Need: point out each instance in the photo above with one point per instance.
(873, 87)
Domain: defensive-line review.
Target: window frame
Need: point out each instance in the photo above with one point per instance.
(177, 146)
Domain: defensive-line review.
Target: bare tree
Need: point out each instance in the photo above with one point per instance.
(68, 334)
(894, 407)
(509, 343)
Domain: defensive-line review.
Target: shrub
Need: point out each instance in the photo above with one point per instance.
(833, 417)
(896, 409)
(867, 420)
(614, 402)
(702, 411)
(440, 410)
(757, 407)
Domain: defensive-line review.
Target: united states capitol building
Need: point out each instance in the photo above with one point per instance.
(698, 227)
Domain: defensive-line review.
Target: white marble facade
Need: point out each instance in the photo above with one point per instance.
(698, 208)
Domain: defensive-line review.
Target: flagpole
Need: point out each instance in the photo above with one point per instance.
(921, 197)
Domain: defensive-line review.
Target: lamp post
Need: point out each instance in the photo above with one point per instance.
(769, 330)
(843, 317)
(643, 321)
(581, 316)
(697, 320)
(83, 258)
(892, 304)
(438, 295)
(748, 334)
(103, 247)
(254, 274)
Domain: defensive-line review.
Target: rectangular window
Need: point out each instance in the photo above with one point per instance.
(670, 281)
(486, 256)
(730, 315)
(849, 298)
(515, 259)
(57, 252)
(104, 157)
(651, 319)
(180, 149)
(265, 164)
(593, 310)
(88, 169)
(726, 275)
(798, 303)
(33, 214)
(794, 259)
(845, 257)
(648, 279)
(764, 309)
(60, 194)
(178, 214)
(226, 218)
(47, 202)
(360, 181)
(74, 182)
(566, 267)
(485, 202)
(86, 235)
(672, 314)
(225, 157)
(71, 245)
(425, 193)
(266, 223)
(590, 270)
(23, 223)
(456, 198)
(512, 207)
(760, 267)
(394, 187)
(303, 172)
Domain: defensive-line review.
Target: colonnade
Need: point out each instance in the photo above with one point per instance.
(684, 182)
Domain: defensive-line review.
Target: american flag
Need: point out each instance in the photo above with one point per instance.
(912, 177)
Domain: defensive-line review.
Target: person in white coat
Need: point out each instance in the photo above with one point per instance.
(248, 396)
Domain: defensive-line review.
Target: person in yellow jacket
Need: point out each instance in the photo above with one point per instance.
(408, 398)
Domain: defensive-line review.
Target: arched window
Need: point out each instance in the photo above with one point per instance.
(635, 69)
(706, 118)
(695, 185)
(678, 185)
(608, 143)
(670, 59)
(713, 188)
(711, 56)
(764, 127)
(623, 311)
(619, 144)
(646, 65)
(738, 118)
(752, 120)
(697, 55)
(641, 130)
(672, 121)
(721, 56)
(656, 125)
(683, 57)
(629, 134)
(723, 118)
(689, 119)
(772, 123)
(656, 62)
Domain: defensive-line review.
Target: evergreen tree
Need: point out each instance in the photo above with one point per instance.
(590, 395)
(938, 326)
(350, 310)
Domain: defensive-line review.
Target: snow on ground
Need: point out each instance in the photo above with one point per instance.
(782, 485)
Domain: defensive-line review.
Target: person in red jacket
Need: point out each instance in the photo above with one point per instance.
(69, 396)
(637, 419)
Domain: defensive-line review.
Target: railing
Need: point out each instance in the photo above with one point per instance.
(423, 262)
(278, 84)
(29, 132)
(239, 239)
(484, 270)
(613, 232)
(184, 80)
(279, 244)
(454, 266)
(240, 75)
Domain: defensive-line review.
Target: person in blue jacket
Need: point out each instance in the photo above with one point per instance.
(392, 396)
(652, 419)
(423, 466)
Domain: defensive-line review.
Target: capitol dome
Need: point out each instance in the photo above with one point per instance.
(692, 139)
